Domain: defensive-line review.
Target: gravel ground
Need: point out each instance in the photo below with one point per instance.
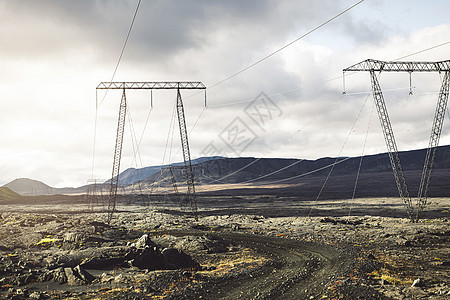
(230, 252)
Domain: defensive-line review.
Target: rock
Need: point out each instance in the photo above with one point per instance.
(119, 278)
(83, 274)
(417, 282)
(193, 244)
(35, 295)
(415, 293)
(106, 278)
(56, 275)
(73, 237)
(94, 257)
(144, 242)
(177, 259)
(4, 248)
(148, 258)
(101, 263)
(235, 226)
(200, 227)
(72, 279)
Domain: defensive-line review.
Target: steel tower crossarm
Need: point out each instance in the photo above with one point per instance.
(152, 85)
(400, 66)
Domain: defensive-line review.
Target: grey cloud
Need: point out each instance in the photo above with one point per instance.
(162, 28)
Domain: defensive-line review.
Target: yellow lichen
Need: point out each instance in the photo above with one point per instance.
(46, 240)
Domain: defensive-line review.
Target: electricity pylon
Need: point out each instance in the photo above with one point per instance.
(162, 85)
(373, 66)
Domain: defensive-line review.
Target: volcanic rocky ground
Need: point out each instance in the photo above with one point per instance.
(246, 247)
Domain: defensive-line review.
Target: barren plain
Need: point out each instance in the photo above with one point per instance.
(247, 247)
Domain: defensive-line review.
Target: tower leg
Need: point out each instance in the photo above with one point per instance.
(391, 144)
(117, 156)
(436, 130)
(186, 156)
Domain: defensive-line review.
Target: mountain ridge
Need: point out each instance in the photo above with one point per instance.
(222, 170)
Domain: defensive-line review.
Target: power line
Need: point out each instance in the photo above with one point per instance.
(424, 50)
(293, 177)
(126, 41)
(319, 83)
(274, 172)
(244, 167)
(123, 48)
(362, 155)
(330, 79)
(285, 46)
(112, 78)
(342, 148)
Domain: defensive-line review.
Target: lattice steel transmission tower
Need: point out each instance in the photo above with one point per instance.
(374, 66)
(161, 85)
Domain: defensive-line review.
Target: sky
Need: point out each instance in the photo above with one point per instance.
(57, 128)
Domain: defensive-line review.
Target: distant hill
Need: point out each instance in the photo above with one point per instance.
(6, 194)
(29, 187)
(132, 175)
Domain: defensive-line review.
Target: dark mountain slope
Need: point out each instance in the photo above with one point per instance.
(133, 175)
(376, 178)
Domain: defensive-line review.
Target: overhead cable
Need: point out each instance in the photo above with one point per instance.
(285, 46)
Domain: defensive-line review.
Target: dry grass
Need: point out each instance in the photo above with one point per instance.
(236, 262)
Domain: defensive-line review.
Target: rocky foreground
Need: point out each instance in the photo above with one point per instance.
(150, 254)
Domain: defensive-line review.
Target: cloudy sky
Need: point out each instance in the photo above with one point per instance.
(56, 128)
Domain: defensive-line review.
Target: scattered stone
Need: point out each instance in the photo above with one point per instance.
(177, 259)
(72, 279)
(83, 274)
(200, 227)
(100, 263)
(148, 258)
(106, 278)
(336, 221)
(416, 282)
(35, 295)
(144, 242)
(119, 278)
(415, 293)
(235, 226)
(73, 237)
(193, 244)
(56, 275)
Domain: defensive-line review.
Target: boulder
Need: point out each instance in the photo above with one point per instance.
(72, 278)
(148, 258)
(177, 259)
(144, 242)
(83, 274)
(56, 275)
(193, 244)
(74, 237)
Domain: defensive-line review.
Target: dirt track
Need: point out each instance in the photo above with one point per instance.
(298, 270)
